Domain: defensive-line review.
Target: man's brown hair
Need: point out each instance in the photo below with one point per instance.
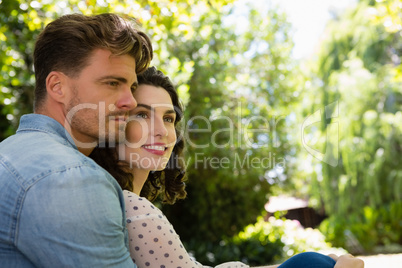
(67, 43)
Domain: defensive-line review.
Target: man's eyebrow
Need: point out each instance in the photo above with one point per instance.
(118, 78)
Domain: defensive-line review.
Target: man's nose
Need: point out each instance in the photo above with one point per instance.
(126, 100)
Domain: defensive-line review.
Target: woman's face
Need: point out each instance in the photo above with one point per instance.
(150, 133)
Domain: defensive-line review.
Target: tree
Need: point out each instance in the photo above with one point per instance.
(237, 95)
(356, 83)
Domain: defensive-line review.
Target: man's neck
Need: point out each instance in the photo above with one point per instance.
(87, 147)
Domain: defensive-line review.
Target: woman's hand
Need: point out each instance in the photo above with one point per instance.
(347, 261)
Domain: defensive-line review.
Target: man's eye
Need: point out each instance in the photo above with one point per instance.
(113, 83)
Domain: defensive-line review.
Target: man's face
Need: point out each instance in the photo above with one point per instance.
(101, 97)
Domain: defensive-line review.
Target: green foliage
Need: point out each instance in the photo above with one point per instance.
(18, 28)
(265, 242)
(232, 121)
(372, 227)
(356, 83)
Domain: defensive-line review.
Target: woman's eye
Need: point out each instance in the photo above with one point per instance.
(169, 119)
(142, 115)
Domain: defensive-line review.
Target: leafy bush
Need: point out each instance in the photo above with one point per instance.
(263, 243)
(361, 190)
(366, 230)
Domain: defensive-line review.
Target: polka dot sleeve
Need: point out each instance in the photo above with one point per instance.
(152, 239)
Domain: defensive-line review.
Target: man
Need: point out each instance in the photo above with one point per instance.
(58, 208)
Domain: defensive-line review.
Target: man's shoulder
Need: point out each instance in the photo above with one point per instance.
(46, 148)
(30, 157)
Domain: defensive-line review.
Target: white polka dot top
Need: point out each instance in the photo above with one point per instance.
(153, 241)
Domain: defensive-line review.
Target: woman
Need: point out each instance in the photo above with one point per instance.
(153, 165)
(149, 164)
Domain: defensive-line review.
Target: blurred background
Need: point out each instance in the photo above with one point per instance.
(293, 117)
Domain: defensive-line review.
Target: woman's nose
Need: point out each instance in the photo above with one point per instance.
(160, 128)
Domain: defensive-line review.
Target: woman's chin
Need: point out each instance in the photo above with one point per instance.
(159, 168)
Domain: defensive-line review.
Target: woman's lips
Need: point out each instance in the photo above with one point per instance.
(157, 149)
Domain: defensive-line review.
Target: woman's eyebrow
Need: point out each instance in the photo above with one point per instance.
(149, 107)
(170, 111)
(146, 106)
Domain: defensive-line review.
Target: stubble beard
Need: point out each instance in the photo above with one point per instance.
(94, 123)
(84, 122)
(114, 135)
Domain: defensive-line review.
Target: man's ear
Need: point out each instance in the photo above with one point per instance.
(56, 86)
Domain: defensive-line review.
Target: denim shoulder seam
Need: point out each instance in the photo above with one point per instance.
(58, 169)
(11, 169)
(31, 129)
(18, 179)
(63, 140)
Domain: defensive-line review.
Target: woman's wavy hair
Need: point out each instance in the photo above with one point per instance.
(169, 183)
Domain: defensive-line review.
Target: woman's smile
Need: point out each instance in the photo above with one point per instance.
(156, 148)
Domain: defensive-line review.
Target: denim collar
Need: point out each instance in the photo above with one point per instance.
(43, 123)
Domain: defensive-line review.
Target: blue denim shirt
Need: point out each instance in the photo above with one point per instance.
(58, 208)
